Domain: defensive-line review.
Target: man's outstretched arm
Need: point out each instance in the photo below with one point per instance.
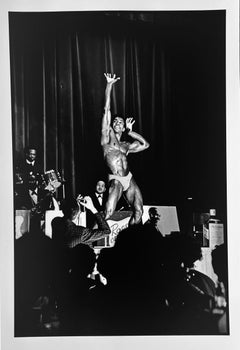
(106, 120)
(80, 234)
(140, 144)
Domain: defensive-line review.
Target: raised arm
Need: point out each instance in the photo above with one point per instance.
(106, 120)
(139, 144)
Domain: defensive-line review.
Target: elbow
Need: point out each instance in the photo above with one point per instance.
(106, 109)
(107, 230)
(147, 145)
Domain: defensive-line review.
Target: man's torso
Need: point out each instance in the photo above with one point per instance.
(115, 155)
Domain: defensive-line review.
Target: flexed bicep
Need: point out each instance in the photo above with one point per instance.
(139, 144)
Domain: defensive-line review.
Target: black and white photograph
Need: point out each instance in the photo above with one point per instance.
(119, 173)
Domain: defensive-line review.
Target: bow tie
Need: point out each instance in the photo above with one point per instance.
(30, 163)
(99, 195)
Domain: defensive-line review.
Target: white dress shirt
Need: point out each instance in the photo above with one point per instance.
(29, 162)
(99, 197)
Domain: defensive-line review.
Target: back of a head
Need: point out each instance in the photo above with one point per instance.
(82, 259)
(179, 248)
(219, 262)
(69, 206)
(120, 264)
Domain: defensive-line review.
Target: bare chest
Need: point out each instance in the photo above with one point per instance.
(116, 146)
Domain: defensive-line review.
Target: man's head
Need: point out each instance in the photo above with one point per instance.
(153, 215)
(118, 124)
(100, 187)
(70, 208)
(30, 154)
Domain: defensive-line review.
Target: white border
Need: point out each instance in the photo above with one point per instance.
(166, 342)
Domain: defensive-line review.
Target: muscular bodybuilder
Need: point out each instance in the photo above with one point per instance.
(115, 154)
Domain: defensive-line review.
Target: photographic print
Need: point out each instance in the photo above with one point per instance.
(129, 104)
(119, 169)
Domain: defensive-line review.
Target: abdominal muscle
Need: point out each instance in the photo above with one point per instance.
(116, 159)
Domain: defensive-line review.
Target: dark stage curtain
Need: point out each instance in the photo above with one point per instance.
(172, 69)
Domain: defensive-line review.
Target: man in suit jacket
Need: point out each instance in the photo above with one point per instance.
(99, 198)
(30, 191)
(28, 171)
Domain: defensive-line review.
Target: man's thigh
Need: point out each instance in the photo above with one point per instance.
(133, 193)
(115, 190)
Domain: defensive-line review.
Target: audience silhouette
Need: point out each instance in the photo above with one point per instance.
(33, 272)
(152, 287)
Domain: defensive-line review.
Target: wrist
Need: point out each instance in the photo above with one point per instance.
(93, 210)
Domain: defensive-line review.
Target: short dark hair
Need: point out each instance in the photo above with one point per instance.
(27, 149)
(152, 210)
(219, 262)
(68, 206)
(117, 116)
(100, 180)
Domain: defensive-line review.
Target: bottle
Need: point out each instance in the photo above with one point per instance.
(212, 231)
(216, 230)
(212, 218)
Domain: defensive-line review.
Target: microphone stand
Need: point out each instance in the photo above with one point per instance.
(63, 185)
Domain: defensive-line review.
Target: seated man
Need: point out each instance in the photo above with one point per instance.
(99, 198)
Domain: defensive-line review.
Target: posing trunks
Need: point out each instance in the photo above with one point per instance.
(124, 180)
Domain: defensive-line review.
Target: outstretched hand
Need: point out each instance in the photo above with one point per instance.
(111, 78)
(129, 123)
(86, 202)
